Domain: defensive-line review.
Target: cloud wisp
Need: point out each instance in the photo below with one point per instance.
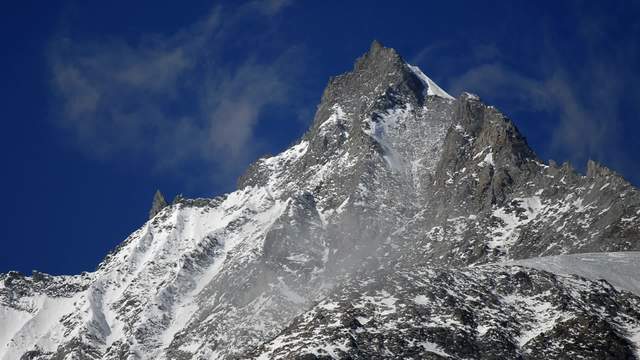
(585, 126)
(173, 99)
(582, 106)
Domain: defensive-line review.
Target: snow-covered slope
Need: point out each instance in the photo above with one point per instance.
(393, 174)
(620, 269)
(148, 289)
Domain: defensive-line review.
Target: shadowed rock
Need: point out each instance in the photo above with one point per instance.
(158, 204)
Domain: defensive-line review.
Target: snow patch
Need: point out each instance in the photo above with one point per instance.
(511, 219)
(421, 300)
(620, 269)
(488, 160)
(431, 347)
(431, 87)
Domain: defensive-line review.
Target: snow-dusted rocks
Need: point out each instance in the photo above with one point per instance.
(344, 242)
(490, 312)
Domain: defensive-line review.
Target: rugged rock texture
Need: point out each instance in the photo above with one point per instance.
(488, 312)
(158, 204)
(395, 177)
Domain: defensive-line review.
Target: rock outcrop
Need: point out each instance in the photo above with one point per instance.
(158, 204)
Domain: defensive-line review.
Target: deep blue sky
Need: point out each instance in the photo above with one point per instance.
(104, 103)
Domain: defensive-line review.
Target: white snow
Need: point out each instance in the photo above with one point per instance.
(333, 119)
(152, 267)
(431, 87)
(488, 160)
(288, 155)
(421, 300)
(620, 269)
(40, 327)
(545, 318)
(508, 233)
(329, 306)
(411, 140)
(12, 321)
(471, 96)
(481, 152)
(384, 302)
(482, 329)
(380, 130)
(431, 347)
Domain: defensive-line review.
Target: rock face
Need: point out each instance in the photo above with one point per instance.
(158, 204)
(358, 239)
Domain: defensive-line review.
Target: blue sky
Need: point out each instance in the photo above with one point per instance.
(102, 103)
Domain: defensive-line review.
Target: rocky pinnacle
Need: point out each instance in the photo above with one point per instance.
(158, 204)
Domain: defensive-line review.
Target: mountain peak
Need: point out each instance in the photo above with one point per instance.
(595, 169)
(376, 72)
(379, 56)
(375, 45)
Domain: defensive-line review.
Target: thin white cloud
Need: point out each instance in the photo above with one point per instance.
(585, 124)
(238, 99)
(580, 107)
(581, 87)
(503, 83)
(171, 99)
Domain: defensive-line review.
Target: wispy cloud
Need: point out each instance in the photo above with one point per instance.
(579, 104)
(173, 99)
(584, 116)
(503, 83)
(583, 127)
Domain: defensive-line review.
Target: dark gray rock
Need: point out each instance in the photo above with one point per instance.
(157, 205)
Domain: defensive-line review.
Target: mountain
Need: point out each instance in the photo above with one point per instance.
(387, 231)
(486, 312)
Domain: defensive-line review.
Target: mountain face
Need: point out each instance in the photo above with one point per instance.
(486, 312)
(389, 230)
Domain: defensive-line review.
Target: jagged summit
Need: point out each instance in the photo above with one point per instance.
(431, 88)
(378, 56)
(356, 242)
(158, 204)
(376, 45)
(595, 169)
(381, 58)
(380, 72)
